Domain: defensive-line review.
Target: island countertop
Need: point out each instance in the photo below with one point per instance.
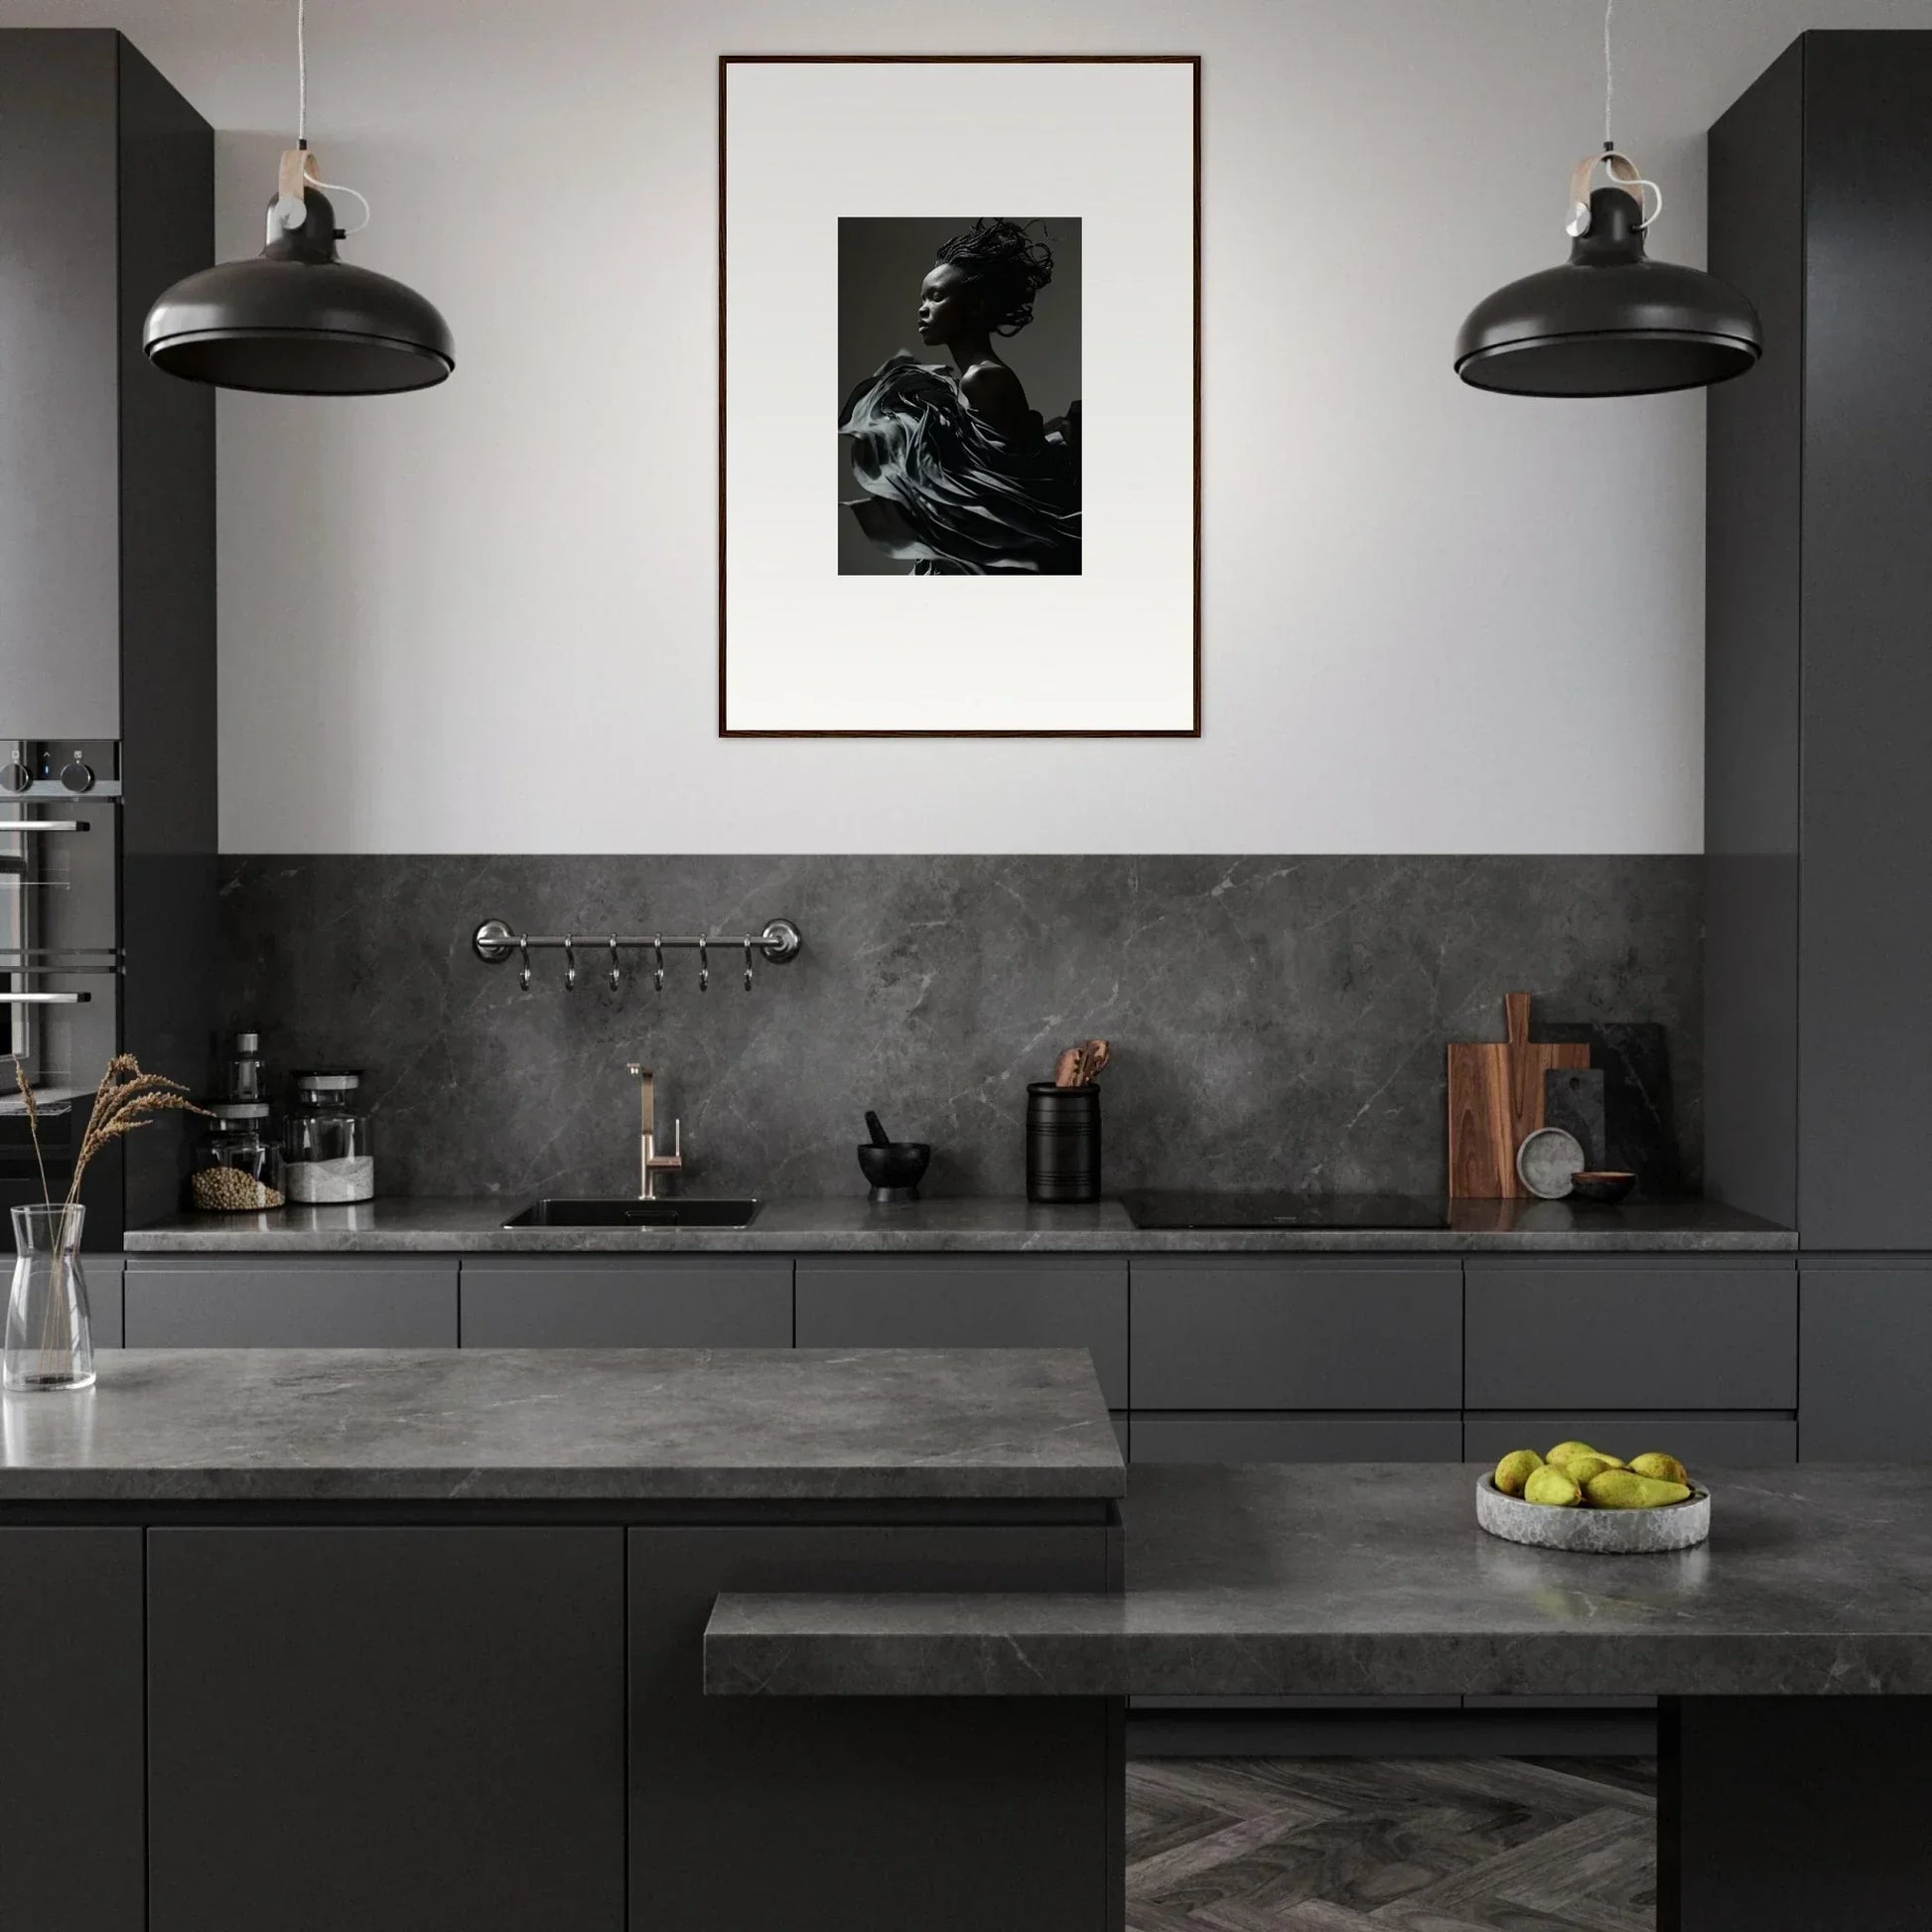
(559, 1425)
(1373, 1579)
(959, 1225)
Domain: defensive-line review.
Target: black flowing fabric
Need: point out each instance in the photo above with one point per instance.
(945, 492)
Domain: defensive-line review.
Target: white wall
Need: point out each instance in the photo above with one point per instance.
(483, 618)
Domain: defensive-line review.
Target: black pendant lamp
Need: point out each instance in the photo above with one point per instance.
(296, 320)
(1609, 322)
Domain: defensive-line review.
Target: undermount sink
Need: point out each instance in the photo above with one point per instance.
(636, 1213)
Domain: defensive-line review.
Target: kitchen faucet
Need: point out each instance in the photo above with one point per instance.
(651, 1163)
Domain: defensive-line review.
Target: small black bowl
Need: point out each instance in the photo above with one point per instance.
(894, 1169)
(1603, 1185)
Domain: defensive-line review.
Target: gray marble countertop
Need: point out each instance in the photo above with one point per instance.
(957, 1226)
(1373, 1579)
(559, 1425)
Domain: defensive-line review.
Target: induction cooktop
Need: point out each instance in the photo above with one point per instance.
(1263, 1210)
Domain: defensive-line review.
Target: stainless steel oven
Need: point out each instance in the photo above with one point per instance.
(61, 956)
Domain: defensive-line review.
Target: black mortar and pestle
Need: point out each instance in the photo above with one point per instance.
(893, 1167)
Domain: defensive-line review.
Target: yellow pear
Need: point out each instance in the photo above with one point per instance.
(1515, 1469)
(1666, 1468)
(1565, 1451)
(1621, 1489)
(1580, 1468)
(1550, 1485)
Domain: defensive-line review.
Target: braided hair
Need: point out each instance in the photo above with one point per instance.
(1007, 265)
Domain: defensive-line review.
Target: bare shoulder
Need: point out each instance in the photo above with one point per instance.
(990, 382)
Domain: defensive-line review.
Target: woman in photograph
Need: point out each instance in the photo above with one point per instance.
(962, 477)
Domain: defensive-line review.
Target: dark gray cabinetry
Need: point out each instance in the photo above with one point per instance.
(1866, 1327)
(965, 1302)
(320, 1302)
(1701, 1438)
(106, 513)
(72, 1814)
(583, 1302)
(1264, 1332)
(1660, 1334)
(1268, 1358)
(1297, 1438)
(104, 1274)
(1819, 1078)
(911, 1797)
(399, 1729)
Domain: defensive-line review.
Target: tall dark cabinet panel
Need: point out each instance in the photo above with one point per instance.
(1819, 694)
(106, 597)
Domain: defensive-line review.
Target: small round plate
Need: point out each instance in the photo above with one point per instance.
(1546, 1161)
(1594, 1532)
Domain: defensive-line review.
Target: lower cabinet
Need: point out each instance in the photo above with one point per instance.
(71, 1809)
(838, 1822)
(1716, 1441)
(316, 1301)
(1866, 1328)
(1298, 1439)
(614, 1302)
(970, 1301)
(410, 1730)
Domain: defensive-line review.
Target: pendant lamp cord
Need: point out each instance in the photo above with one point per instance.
(1610, 74)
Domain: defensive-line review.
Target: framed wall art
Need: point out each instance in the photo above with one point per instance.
(959, 396)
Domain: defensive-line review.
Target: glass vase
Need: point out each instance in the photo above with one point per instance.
(50, 1338)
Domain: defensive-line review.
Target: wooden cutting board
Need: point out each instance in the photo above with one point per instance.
(1495, 1100)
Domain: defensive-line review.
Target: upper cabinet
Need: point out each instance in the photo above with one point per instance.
(106, 466)
(1819, 675)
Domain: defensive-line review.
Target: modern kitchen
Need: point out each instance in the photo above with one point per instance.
(1236, 1240)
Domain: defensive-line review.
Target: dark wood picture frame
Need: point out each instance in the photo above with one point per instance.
(728, 60)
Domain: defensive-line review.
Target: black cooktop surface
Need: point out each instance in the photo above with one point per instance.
(1209, 1210)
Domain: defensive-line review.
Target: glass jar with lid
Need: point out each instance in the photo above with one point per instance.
(238, 1164)
(328, 1154)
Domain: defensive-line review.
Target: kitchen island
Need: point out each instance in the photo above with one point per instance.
(413, 1639)
(1793, 1651)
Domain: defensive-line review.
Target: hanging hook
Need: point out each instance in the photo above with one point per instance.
(657, 978)
(704, 966)
(617, 971)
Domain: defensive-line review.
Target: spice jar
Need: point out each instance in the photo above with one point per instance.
(329, 1157)
(238, 1164)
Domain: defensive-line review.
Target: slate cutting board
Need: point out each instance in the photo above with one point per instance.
(1572, 1099)
(1495, 1100)
(1639, 1105)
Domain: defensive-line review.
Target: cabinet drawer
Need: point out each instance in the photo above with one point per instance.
(1647, 1334)
(1267, 1334)
(399, 1301)
(1867, 1362)
(672, 1301)
(1297, 1438)
(1723, 1442)
(962, 1301)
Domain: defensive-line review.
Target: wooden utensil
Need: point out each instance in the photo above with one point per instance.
(1495, 1101)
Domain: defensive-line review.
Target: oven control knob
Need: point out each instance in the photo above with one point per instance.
(15, 776)
(77, 776)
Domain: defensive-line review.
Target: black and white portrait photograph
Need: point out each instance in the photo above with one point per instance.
(916, 255)
(959, 376)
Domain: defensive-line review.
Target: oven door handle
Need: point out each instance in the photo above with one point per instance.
(45, 999)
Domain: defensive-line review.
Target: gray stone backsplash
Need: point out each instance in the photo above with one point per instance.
(1275, 1022)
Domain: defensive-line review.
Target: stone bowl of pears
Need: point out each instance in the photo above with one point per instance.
(1581, 1498)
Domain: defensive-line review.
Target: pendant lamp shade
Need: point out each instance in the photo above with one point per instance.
(1609, 322)
(299, 321)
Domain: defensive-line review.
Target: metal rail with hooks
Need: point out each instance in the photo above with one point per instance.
(495, 941)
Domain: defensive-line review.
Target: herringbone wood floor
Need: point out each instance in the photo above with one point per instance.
(1391, 1845)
